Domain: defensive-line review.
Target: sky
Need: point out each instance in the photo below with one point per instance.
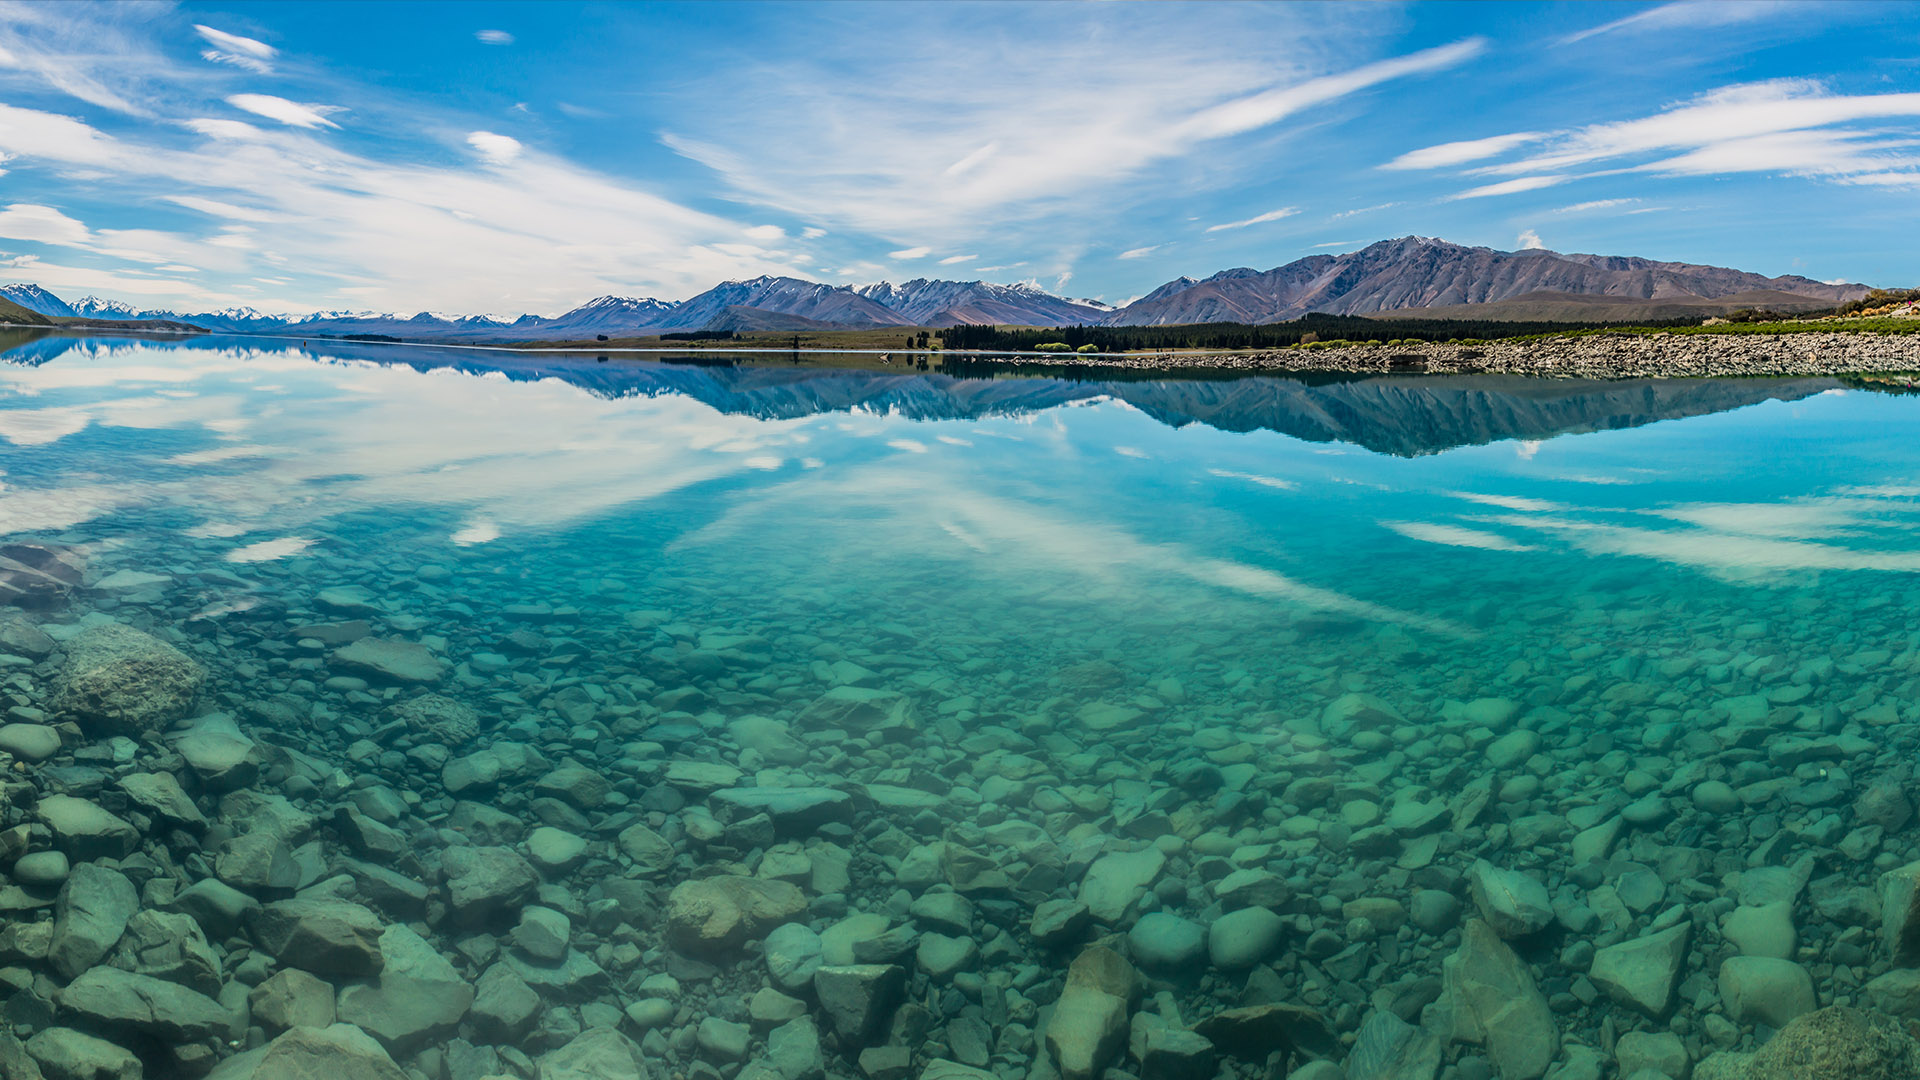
(506, 158)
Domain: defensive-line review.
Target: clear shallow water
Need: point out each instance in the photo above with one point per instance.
(1083, 591)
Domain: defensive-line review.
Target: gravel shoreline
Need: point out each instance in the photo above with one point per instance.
(1657, 356)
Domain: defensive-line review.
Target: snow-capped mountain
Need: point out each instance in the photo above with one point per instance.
(838, 304)
(930, 302)
(34, 298)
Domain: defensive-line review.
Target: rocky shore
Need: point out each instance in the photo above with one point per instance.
(393, 819)
(1593, 357)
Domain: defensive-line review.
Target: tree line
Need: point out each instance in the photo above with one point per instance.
(1225, 336)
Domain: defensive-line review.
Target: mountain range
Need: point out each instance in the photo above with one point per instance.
(1411, 275)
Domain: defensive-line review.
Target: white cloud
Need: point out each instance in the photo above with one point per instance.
(1141, 252)
(1258, 219)
(498, 149)
(956, 260)
(241, 52)
(1362, 210)
(217, 208)
(1339, 244)
(1051, 127)
(910, 253)
(291, 113)
(1459, 153)
(811, 233)
(1509, 187)
(42, 224)
(493, 37)
(1689, 14)
(765, 232)
(1528, 240)
(1596, 204)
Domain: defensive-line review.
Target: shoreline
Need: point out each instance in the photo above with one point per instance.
(1597, 356)
(1594, 357)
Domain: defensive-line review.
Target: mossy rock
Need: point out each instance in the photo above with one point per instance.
(1837, 1043)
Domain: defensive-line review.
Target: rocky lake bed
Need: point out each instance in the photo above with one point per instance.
(605, 802)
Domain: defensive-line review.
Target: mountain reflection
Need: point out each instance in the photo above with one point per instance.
(1402, 415)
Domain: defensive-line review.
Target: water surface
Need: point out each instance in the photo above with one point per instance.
(1119, 614)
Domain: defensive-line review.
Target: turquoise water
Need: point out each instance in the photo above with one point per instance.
(1106, 616)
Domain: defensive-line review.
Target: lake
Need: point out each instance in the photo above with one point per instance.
(687, 698)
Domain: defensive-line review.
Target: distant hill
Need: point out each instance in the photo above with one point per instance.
(1412, 274)
(11, 312)
(1420, 273)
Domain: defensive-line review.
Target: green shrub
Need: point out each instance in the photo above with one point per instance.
(1053, 346)
(1088, 347)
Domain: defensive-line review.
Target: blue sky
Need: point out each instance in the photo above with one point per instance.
(506, 157)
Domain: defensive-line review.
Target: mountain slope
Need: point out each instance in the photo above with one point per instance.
(34, 298)
(1547, 306)
(11, 312)
(1416, 272)
(929, 302)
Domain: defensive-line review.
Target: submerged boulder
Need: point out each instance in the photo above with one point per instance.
(121, 680)
(1837, 1043)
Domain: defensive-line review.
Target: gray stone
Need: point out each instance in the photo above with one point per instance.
(1388, 1048)
(42, 868)
(89, 917)
(1434, 911)
(66, 1054)
(1252, 888)
(121, 680)
(1492, 1000)
(84, 830)
(859, 998)
(339, 1052)
(108, 998)
(793, 1049)
(1115, 883)
(220, 754)
(169, 946)
(218, 908)
(708, 916)
(1511, 902)
(1660, 1052)
(857, 710)
(555, 851)
(291, 998)
(1177, 1054)
(595, 1054)
(29, 742)
(1641, 973)
(1900, 913)
(652, 855)
(389, 660)
(543, 933)
(160, 795)
(438, 718)
(1163, 942)
(1761, 989)
(1766, 930)
(1835, 1043)
(504, 1006)
(1241, 939)
(723, 1040)
(942, 957)
(1059, 922)
(948, 912)
(484, 882)
(1089, 1023)
(326, 937)
(417, 995)
(796, 811)
(793, 954)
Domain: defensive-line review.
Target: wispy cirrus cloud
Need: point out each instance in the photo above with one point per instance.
(1050, 129)
(1690, 14)
(291, 113)
(240, 52)
(1793, 127)
(1257, 219)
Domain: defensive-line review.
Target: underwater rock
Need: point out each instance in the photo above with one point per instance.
(1089, 1024)
(117, 679)
(390, 660)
